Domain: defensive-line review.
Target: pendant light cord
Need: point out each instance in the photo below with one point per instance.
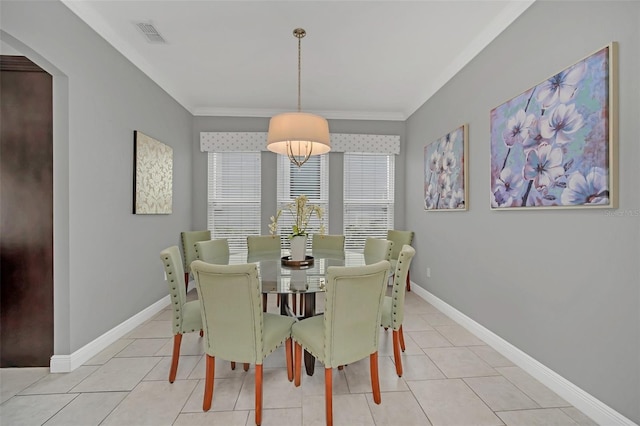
(299, 33)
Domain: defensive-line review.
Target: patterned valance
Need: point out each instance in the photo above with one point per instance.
(257, 141)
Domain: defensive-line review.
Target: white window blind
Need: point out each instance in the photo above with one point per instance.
(234, 188)
(368, 197)
(312, 180)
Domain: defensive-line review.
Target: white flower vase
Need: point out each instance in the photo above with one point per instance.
(298, 247)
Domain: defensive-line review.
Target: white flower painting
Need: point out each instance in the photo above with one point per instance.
(551, 145)
(153, 177)
(445, 174)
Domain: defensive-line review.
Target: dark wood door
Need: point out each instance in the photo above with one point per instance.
(26, 213)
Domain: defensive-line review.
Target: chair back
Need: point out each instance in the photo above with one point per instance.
(398, 291)
(172, 262)
(213, 251)
(231, 307)
(189, 239)
(263, 244)
(352, 311)
(399, 238)
(327, 242)
(377, 249)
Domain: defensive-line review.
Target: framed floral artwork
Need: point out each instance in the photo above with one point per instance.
(553, 146)
(445, 172)
(153, 175)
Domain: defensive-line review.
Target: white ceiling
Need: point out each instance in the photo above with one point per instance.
(360, 59)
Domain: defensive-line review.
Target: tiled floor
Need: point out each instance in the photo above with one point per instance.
(450, 378)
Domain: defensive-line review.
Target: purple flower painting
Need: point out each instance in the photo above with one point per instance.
(445, 185)
(551, 145)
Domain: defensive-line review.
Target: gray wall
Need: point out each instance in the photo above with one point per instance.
(269, 164)
(563, 286)
(106, 265)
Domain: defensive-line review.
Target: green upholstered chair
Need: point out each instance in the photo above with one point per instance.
(186, 315)
(264, 246)
(327, 242)
(377, 249)
(235, 328)
(393, 306)
(189, 239)
(213, 251)
(348, 330)
(399, 238)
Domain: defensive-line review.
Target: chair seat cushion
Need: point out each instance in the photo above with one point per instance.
(309, 333)
(191, 318)
(277, 329)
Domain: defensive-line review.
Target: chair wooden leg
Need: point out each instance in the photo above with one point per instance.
(208, 382)
(375, 379)
(294, 303)
(396, 352)
(298, 362)
(401, 335)
(201, 332)
(246, 366)
(258, 394)
(328, 395)
(177, 339)
(186, 281)
(264, 302)
(288, 355)
(408, 280)
(233, 365)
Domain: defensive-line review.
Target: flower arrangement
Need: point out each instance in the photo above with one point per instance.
(302, 213)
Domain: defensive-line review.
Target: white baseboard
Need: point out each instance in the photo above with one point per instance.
(67, 363)
(583, 401)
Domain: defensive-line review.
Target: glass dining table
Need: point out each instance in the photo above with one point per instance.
(306, 280)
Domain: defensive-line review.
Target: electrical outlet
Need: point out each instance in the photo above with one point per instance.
(428, 272)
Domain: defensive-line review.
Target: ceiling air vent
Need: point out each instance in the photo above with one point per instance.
(150, 32)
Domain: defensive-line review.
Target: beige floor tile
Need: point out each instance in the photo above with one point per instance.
(459, 362)
(222, 371)
(152, 403)
(164, 315)
(428, 339)
(491, 356)
(14, 380)
(539, 417)
(500, 394)
(385, 344)
(192, 344)
(578, 416)
(359, 376)
(87, 409)
(151, 329)
(60, 382)
(348, 410)
(397, 408)
(420, 367)
(541, 394)
(186, 364)
(452, 402)
(226, 418)
(314, 385)
(277, 391)
(415, 322)
(118, 374)
(437, 318)
(142, 347)
(33, 410)
(109, 352)
(225, 395)
(458, 335)
(278, 417)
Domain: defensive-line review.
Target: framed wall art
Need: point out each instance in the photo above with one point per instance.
(153, 175)
(445, 172)
(553, 146)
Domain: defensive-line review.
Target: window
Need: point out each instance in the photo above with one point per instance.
(234, 189)
(312, 180)
(368, 197)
